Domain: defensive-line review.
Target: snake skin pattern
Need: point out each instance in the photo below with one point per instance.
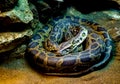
(71, 41)
(96, 52)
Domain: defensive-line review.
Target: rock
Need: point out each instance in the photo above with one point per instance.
(113, 14)
(14, 26)
(35, 23)
(20, 13)
(10, 40)
(14, 34)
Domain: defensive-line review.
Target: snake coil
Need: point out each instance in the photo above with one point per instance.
(96, 53)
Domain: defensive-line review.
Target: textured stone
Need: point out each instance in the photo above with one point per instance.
(9, 40)
(113, 14)
(14, 30)
(20, 13)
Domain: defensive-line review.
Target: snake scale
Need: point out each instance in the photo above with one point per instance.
(98, 46)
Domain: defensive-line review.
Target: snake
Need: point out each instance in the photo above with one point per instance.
(96, 52)
(68, 30)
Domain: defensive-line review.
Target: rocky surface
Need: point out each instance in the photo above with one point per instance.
(15, 69)
(10, 40)
(20, 13)
(11, 21)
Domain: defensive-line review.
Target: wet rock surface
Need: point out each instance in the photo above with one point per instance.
(14, 68)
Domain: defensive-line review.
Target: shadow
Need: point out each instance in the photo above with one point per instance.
(6, 55)
(87, 6)
(6, 5)
(12, 27)
(53, 8)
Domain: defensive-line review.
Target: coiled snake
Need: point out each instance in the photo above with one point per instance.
(95, 39)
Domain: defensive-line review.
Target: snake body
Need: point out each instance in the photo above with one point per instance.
(56, 37)
(96, 53)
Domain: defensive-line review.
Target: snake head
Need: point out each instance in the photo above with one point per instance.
(73, 43)
(51, 46)
(64, 48)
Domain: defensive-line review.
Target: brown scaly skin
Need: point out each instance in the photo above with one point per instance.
(96, 54)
